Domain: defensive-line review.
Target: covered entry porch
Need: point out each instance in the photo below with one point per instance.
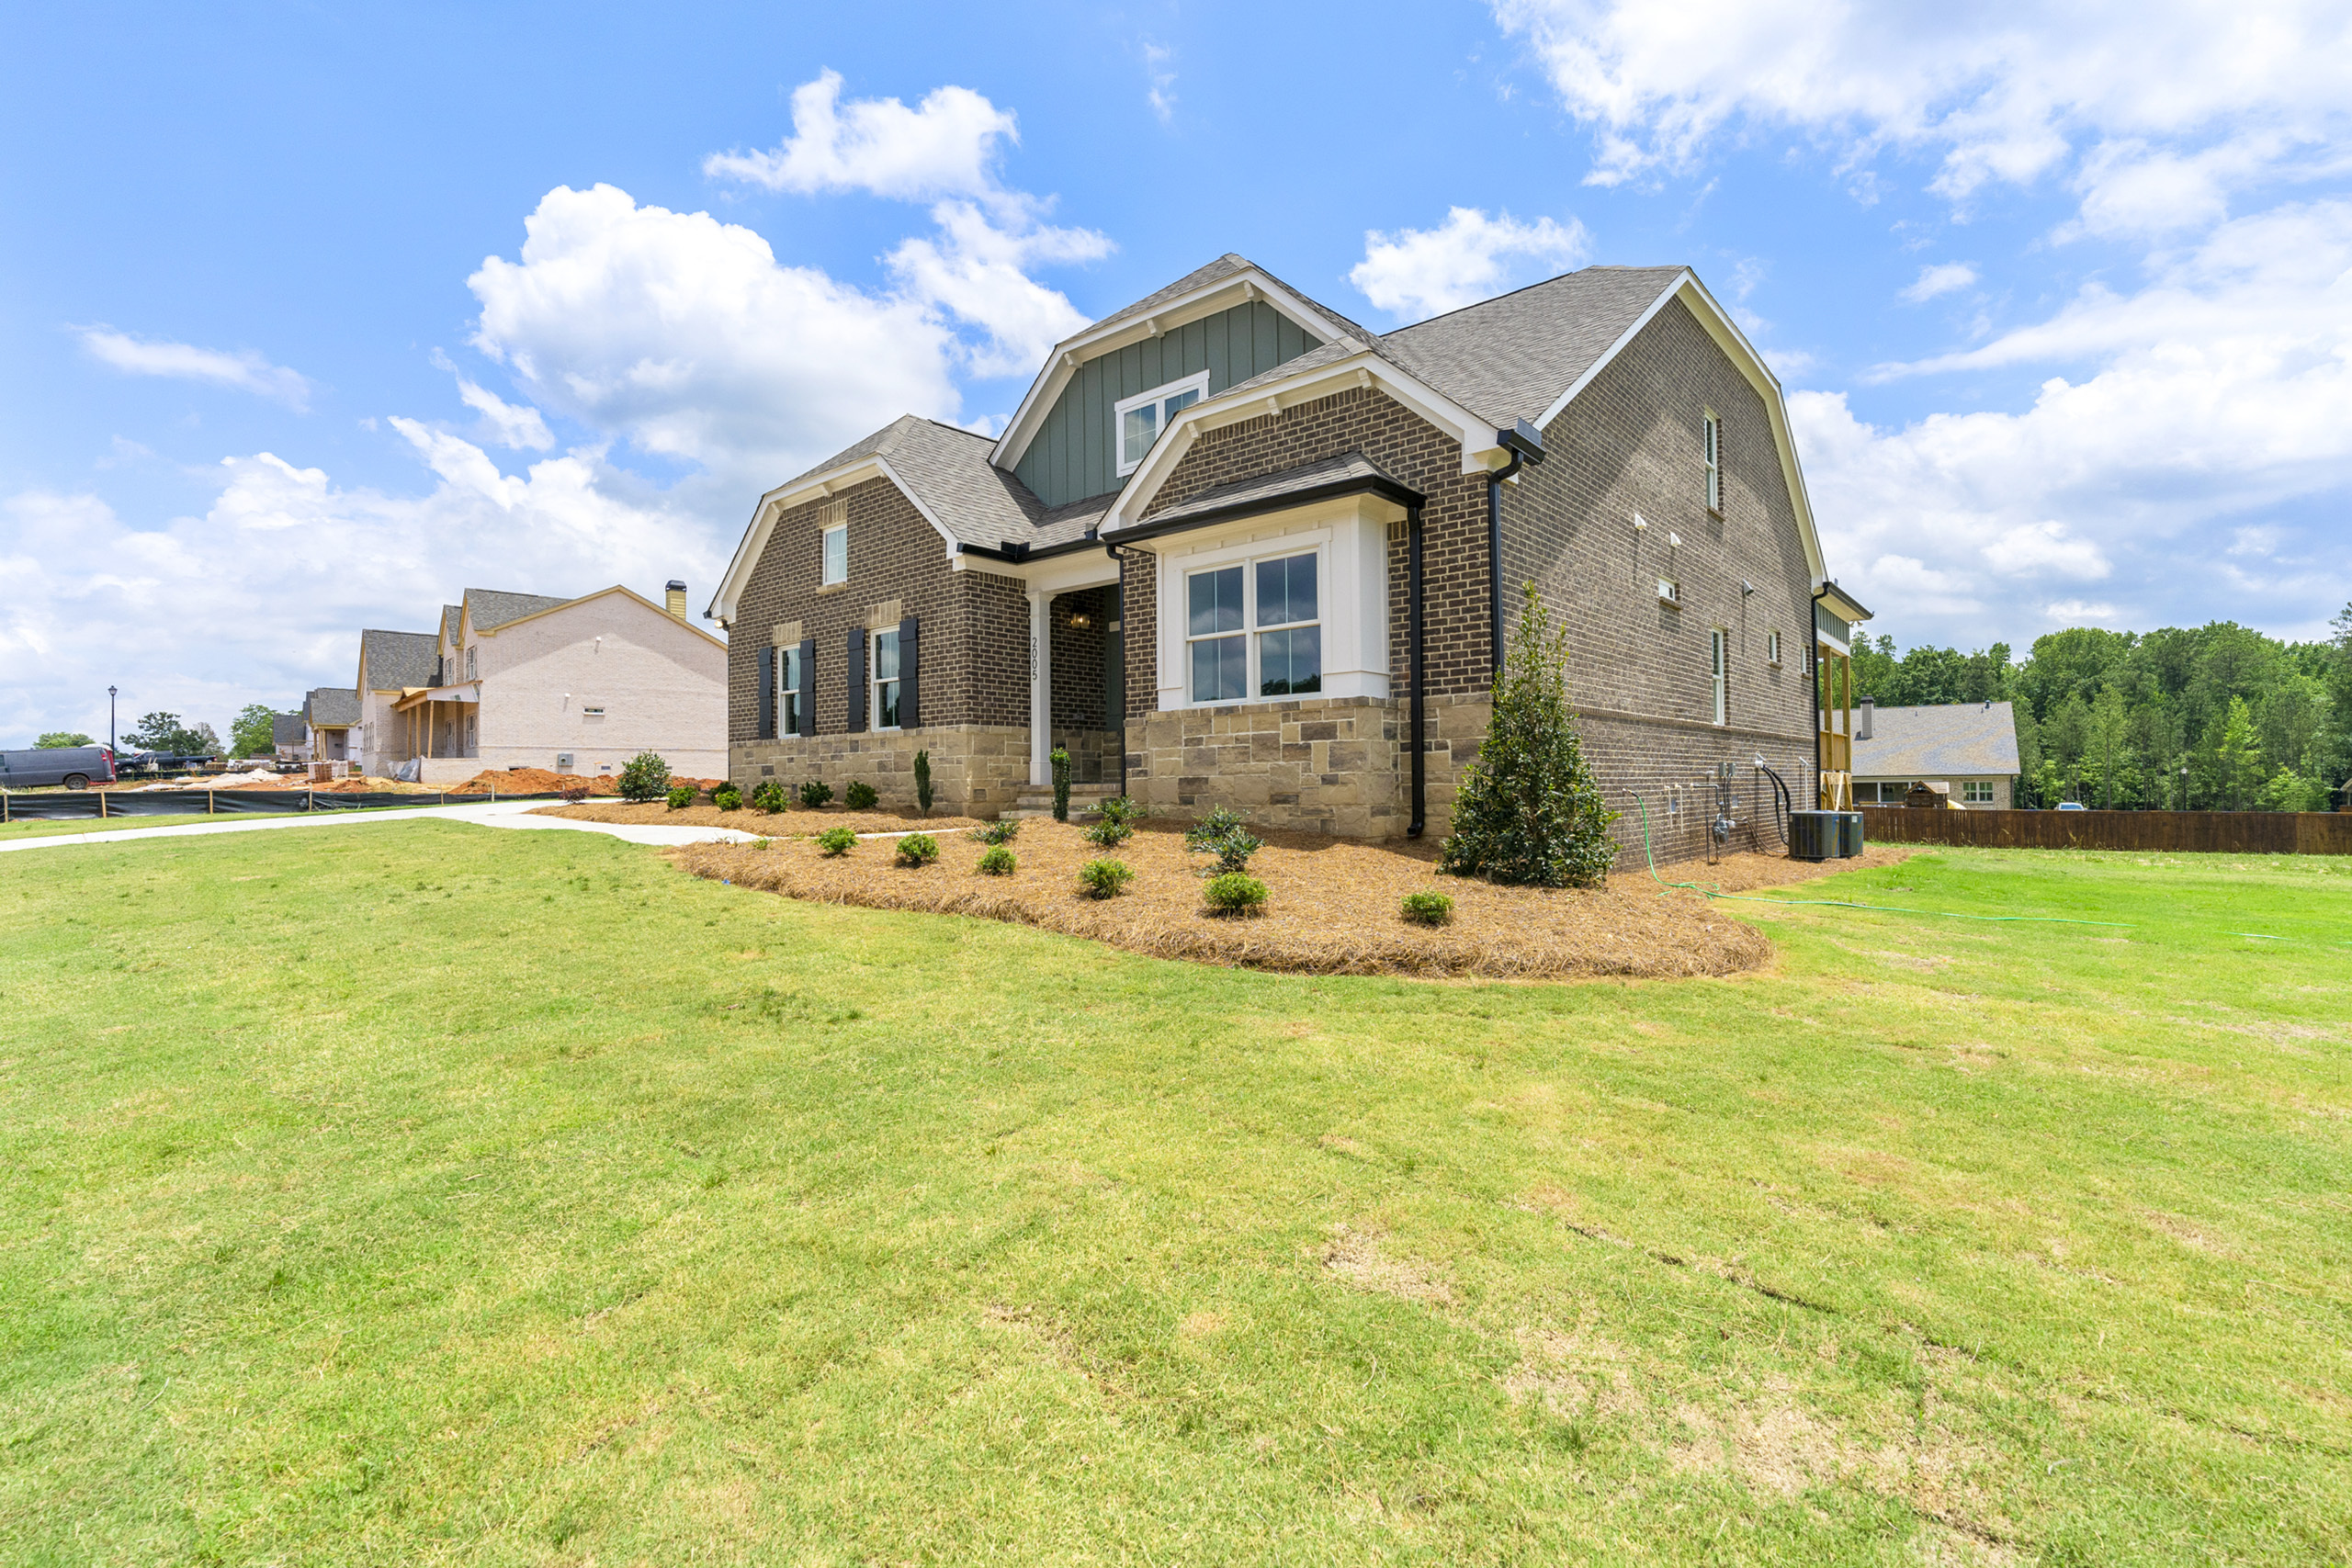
(1077, 665)
(439, 723)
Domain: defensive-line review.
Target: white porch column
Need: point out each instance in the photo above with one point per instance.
(1041, 687)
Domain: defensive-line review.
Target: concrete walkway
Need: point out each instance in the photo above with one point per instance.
(489, 814)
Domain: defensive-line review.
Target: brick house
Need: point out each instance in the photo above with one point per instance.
(1236, 549)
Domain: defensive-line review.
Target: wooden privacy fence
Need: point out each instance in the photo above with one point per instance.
(2212, 832)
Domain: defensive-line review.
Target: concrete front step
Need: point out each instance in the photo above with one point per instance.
(1083, 798)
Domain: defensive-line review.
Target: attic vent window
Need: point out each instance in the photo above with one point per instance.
(597, 712)
(1139, 420)
(1669, 590)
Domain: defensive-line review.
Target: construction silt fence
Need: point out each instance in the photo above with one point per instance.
(82, 804)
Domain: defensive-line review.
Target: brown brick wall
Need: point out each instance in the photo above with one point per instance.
(1081, 654)
(975, 643)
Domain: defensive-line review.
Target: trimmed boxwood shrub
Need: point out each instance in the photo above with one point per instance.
(770, 797)
(918, 848)
(998, 860)
(837, 840)
(727, 797)
(646, 777)
(1234, 893)
(1428, 909)
(1103, 878)
(814, 794)
(681, 797)
(860, 796)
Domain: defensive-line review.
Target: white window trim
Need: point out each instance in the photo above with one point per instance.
(1198, 381)
(1710, 441)
(1773, 648)
(875, 679)
(1968, 795)
(1252, 675)
(825, 554)
(1719, 673)
(784, 654)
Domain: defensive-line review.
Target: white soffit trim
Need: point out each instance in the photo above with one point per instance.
(1092, 344)
(781, 500)
(1359, 370)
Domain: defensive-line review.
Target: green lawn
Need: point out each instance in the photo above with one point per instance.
(431, 1194)
(40, 830)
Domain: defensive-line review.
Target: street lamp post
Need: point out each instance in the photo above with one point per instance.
(109, 718)
(2184, 788)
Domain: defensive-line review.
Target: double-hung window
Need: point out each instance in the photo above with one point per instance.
(472, 667)
(1138, 421)
(1254, 625)
(1719, 673)
(788, 696)
(1773, 649)
(1976, 792)
(1712, 434)
(886, 680)
(836, 567)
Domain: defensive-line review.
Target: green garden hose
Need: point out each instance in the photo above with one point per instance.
(1848, 904)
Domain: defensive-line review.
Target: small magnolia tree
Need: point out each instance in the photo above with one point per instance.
(1528, 811)
(645, 777)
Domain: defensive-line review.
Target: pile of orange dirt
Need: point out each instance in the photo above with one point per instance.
(333, 787)
(797, 822)
(541, 781)
(1333, 909)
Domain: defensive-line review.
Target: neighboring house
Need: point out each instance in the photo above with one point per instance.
(390, 665)
(289, 736)
(1234, 548)
(329, 714)
(1970, 749)
(577, 685)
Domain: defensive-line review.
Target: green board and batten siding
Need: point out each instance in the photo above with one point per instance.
(1071, 457)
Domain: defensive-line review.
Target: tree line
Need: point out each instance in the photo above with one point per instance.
(2213, 717)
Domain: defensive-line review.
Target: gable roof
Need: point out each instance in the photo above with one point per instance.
(942, 470)
(287, 729)
(453, 621)
(1946, 739)
(328, 707)
(390, 660)
(625, 592)
(488, 608)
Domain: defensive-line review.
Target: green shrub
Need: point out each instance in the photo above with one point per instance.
(918, 848)
(1428, 909)
(1002, 832)
(681, 797)
(1223, 834)
(837, 840)
(647, 777)
(1529, 812)
(1103, 878)
(1113, 822)
(1234, 893)
(815, 793)
(923, 782)
(727, 797)
(998, 860)
(770, 797)
(860, 796)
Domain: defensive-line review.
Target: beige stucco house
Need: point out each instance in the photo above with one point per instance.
(530, 681)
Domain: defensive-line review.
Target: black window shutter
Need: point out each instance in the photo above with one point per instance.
(856, 679)
(909, 703)
(766, 731)
(808, 685)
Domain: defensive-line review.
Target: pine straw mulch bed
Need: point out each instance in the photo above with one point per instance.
(799, 822)
(1333, 908)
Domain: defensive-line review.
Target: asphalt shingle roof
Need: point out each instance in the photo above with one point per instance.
(491, 609)
(1946, 741)
(287, 729)
(948, 471)
(1264, 489)
(329, 707)
(394, 660)
(1512, 357)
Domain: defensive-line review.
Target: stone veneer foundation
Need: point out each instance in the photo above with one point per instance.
(976, 770)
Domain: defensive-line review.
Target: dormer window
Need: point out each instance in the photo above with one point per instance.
(1139, 420)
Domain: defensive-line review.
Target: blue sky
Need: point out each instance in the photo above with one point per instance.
(315, 318)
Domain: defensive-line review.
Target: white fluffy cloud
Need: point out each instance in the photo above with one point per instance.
(944, 147)
(688, 337)
(1944, 278)
(975, 269)
(2006, 96)
(284, 566)
(505, 423)
(244, 370)
(1413, 273)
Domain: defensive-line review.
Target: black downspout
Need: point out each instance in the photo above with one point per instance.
(1495, 561)
(1413, 616)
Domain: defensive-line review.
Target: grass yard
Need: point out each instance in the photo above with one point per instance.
(432, 1193)
(9, 831)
